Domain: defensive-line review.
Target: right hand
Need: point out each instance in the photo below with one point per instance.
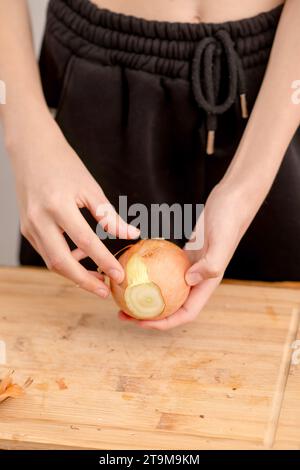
(52, 185)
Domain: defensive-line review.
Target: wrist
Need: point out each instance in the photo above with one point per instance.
(245, 192)
(27, 125)
(250, 177)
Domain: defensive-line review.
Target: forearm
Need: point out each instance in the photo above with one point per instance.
(274, 118)
(18, 69)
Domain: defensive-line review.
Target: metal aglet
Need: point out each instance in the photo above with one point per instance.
(244, 106)
(210, 143)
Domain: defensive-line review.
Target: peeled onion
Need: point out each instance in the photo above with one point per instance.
(154, 285)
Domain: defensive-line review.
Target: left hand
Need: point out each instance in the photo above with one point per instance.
(227, 215)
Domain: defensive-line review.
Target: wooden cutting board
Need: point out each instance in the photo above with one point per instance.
(225, 381)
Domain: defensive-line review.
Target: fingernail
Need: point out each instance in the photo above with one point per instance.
(193, 278)
(115, 274)
(133, 232)
(102, 293)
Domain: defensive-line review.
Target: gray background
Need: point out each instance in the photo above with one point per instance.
(9, 230)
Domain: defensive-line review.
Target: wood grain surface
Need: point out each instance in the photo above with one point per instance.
(226, 381)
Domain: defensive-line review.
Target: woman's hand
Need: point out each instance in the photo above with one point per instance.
(226, 217)
(52, 185)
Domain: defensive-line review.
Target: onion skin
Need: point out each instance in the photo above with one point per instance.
(166, 265)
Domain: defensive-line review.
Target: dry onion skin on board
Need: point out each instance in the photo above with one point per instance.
(8, 389)
(154, 286)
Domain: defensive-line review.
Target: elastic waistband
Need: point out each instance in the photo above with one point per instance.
(155, 46)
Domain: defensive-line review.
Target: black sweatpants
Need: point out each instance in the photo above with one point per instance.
(136, 99)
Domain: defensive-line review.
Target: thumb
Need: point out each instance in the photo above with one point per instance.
(105, 213)
(113, 223)
(207, 267)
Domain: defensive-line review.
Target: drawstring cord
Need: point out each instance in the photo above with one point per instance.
(206, 87)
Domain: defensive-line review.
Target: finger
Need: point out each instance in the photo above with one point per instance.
(126, 318)
(201, 271)
(57, 255)
(122, 316)
(104, 212)
(211, 264)
(97, 275)
(78, 254)
(214, 257)
(32, 240)
(189, 311)
(88, 242)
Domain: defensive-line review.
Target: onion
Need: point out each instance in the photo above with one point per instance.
(154, 285)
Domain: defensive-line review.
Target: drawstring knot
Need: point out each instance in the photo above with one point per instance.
(206, 85)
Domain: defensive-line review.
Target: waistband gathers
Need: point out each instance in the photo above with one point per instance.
(202, 53)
